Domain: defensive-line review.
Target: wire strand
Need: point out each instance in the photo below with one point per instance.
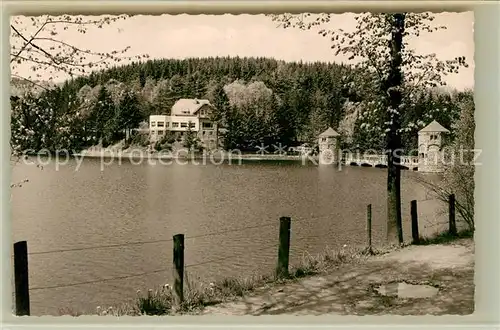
(145, 242)
(214, 261)
(99, 247)
(100, 280)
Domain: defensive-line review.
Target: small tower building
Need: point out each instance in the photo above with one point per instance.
(327, 143)
(430, 144)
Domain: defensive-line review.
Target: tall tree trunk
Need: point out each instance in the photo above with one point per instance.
(394, 82)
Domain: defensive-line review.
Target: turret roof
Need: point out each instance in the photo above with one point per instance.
(330, 132)
(434, 126)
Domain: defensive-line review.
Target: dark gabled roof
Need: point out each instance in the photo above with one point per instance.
(188, 107)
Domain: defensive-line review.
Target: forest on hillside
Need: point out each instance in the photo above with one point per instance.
(258, 100)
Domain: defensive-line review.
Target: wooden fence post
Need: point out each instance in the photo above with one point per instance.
(21, 278)
(414, 223)
(369, 226)
(178, 269)
(284, 247)
(452, 224)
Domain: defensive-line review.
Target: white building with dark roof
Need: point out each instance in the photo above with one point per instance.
(186, 114)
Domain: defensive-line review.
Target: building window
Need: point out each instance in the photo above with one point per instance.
(161, 132)
(184, 124)
(182, 133)
(161, 124)
(153, 124)
(167, 124)
(210, 133)
(175, 124)
(192, 125)
(207, 125)
(323, 139)
(203, 133)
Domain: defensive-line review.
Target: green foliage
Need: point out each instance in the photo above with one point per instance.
(50, 120)
(389, 73)
(156, 303)
(446, 238)
(367, 44)
(103, 119)
(191, 140)
(129, 113)
(140, 139)
(166, 142)
(218, 98)
(256, 100)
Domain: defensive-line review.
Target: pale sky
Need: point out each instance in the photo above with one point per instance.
(182, 36)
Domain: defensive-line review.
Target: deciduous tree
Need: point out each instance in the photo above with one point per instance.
(390, 71)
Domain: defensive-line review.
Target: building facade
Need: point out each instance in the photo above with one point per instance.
(431, 157)
(186, 114)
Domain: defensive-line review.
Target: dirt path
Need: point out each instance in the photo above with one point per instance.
(351, 289)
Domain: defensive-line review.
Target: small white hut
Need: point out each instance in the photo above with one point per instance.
(430, 143)
(327, 143)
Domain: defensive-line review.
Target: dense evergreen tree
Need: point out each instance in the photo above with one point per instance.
(103, 118)
(221, 107)
(129, 113)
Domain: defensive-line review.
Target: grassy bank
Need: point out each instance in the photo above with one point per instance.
(198, 295)
(446, 237)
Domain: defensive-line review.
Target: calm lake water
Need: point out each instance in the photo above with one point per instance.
(67, 209)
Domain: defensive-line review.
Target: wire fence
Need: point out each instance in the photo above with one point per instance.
(22, 289)
(166, 269)
(97, 247)
(143, 274)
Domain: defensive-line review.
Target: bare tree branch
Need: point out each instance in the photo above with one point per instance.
(46, 51)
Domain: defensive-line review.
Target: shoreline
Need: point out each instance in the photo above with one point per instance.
(215, 155)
